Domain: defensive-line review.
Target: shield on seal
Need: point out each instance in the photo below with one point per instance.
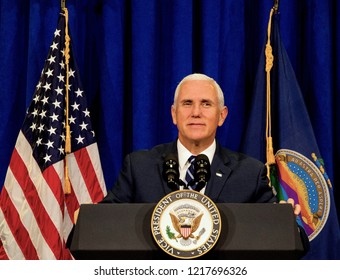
(186, 231)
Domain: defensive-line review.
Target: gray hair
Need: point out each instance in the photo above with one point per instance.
(201, 77)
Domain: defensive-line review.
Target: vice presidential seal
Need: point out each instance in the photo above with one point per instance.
(186, 224)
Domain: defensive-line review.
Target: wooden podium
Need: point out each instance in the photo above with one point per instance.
(249, 231)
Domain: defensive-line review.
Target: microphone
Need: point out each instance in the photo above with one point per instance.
(171, 171)
(202, 171)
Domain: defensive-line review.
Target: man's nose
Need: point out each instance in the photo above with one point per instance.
(196, 110)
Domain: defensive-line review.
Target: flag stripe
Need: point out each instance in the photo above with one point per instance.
(95, 160)
(3, 255)
(55, 185)
(26, 215)
(71, 205)
(88, 173)
(47, 228)
(46, 194)
(18, 242)
(77, 179)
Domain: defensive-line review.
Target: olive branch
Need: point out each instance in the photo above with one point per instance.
(170, 234)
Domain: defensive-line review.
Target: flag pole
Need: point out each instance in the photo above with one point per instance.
(67, 188)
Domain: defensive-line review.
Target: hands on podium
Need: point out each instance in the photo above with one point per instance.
(296, 207)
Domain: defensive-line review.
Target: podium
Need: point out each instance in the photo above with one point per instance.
(249, 231)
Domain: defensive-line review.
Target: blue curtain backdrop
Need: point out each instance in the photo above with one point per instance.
(132, 53)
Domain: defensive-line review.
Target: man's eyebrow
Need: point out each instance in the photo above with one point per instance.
(204, 100)
(186, 100)
(208, 101)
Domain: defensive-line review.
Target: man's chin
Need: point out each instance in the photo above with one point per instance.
(197, 139)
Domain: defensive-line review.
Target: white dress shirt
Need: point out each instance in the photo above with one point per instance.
(184, 154)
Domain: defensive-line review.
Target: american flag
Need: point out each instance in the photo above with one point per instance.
(36, 215)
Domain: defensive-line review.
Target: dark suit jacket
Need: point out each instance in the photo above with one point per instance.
(242, 178)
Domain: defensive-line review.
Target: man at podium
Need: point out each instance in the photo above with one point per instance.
(195, 161)
(197, 111)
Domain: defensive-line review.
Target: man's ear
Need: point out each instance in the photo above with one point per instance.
(173, 115)
(223, 115)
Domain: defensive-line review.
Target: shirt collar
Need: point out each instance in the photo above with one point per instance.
(184, 153)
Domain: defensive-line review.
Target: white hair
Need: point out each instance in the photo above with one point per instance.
(201, 77)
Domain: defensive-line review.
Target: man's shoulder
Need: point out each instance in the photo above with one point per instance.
(235, 157)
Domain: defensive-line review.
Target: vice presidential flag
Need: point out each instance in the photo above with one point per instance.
(298, 170)
(36, 213)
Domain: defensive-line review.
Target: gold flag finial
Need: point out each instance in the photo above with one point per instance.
(276, 6)
(63, 4)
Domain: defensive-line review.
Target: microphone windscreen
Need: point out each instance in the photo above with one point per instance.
(202, 171)
(171, 171)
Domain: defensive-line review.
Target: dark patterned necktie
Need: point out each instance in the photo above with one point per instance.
(189, 176)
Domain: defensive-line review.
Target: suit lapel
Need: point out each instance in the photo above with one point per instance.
(220, 172)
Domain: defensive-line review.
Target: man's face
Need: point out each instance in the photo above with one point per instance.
(197, 113)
